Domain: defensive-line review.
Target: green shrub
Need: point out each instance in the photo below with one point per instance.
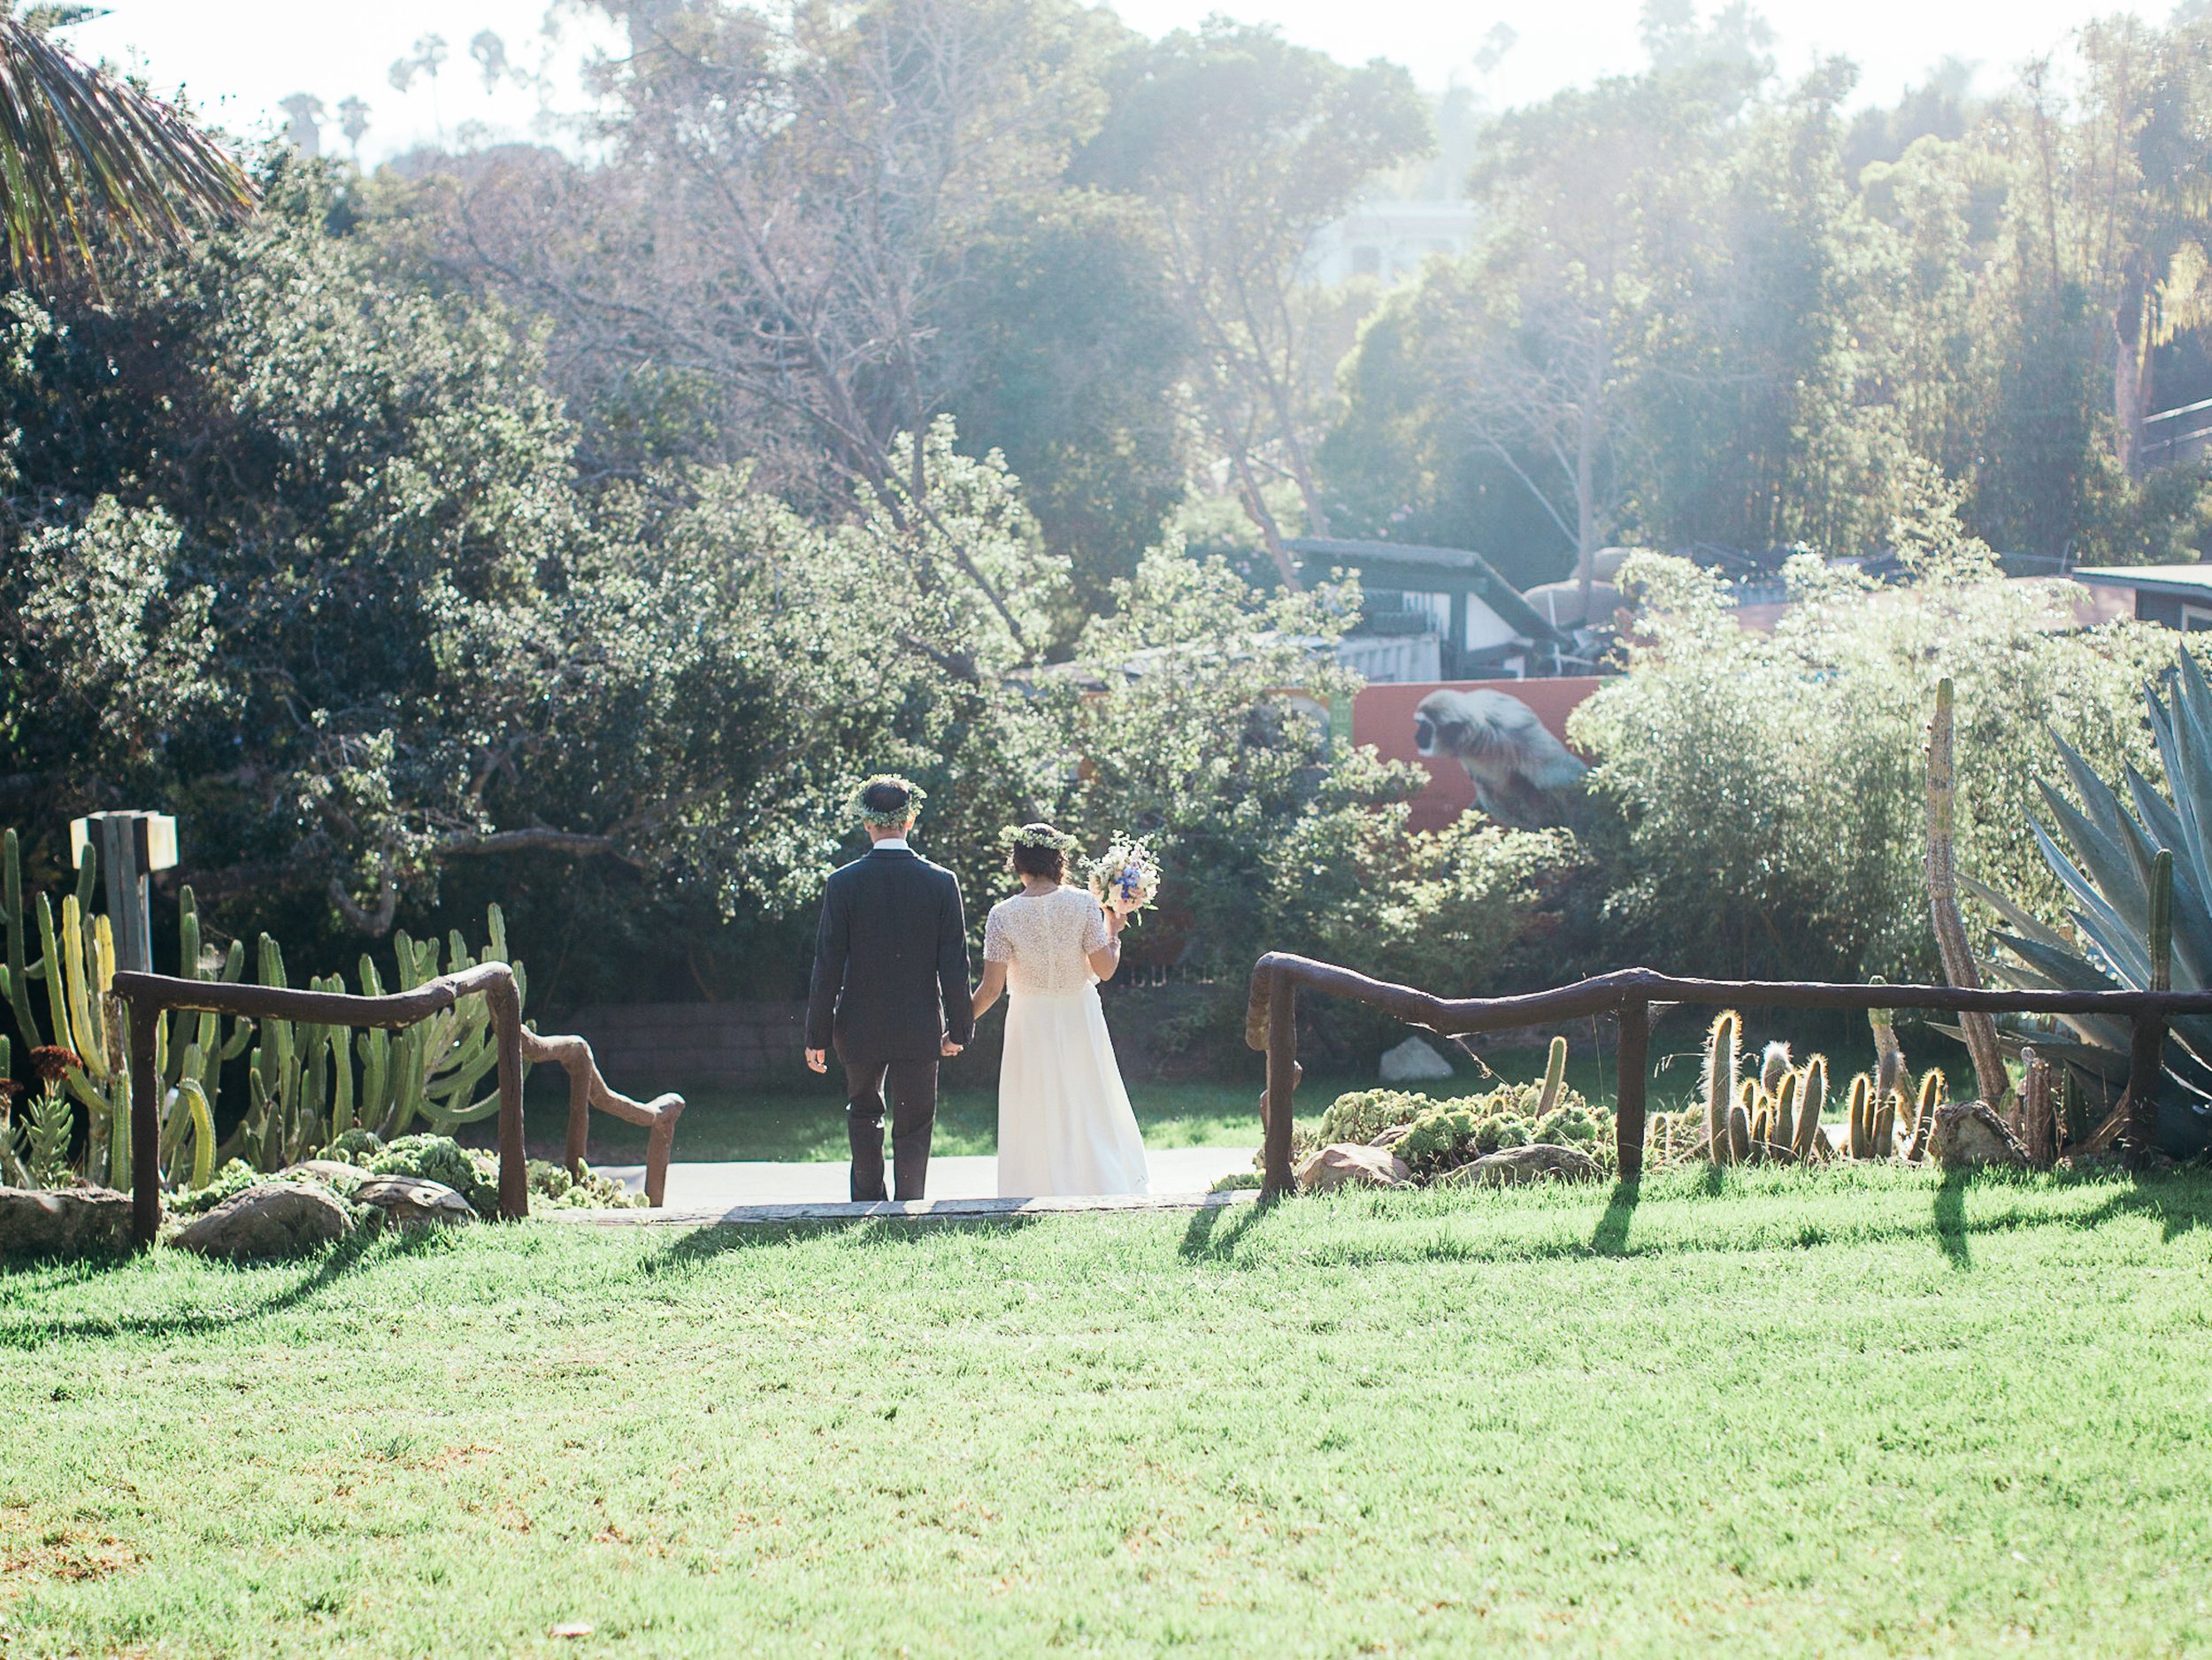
(1361, 1115)
(1440, 1138)
(234, 1178)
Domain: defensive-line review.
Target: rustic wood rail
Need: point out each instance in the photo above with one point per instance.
(1270, 1025)
(148, 995)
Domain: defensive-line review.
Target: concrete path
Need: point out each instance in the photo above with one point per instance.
(1173, 1170)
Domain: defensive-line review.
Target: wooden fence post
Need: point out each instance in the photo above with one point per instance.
(1282, 1080)
(145, 1124)
(514, 1177)
(2146, 1057)
(1632, 1056)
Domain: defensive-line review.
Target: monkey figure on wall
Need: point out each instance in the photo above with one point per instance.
(1523, 776)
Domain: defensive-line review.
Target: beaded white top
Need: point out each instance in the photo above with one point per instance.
(1045, 941)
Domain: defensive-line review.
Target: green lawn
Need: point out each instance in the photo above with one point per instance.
(805, 1122)
(1842, 1412)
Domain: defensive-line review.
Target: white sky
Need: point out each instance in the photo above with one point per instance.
(238, 58)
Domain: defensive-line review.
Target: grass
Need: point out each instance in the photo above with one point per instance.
(1760, 1412)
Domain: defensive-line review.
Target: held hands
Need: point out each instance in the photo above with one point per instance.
(946, 1047)
(816, 1060)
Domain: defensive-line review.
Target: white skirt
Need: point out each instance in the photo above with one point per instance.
(1065, 1126)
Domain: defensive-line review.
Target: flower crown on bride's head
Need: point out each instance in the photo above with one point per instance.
(1041, 836)
(888, 801)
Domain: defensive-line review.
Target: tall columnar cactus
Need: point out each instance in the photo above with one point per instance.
(1858, 1139)
(19, 970)
(1933, 1089)
(1739, 1121)
(1812, 1096)
(1957, 952)
(1555, 1077)
(1784, 1133)
(2038, 1116)
(1722, 1058)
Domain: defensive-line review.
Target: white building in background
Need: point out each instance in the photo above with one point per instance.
(1387, 241)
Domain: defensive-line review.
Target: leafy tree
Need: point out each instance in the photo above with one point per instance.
(1763, 796)
(1243, 146)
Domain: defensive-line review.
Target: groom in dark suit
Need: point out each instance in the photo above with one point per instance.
(891, 991)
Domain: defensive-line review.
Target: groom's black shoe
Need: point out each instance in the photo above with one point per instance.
(912, 1086)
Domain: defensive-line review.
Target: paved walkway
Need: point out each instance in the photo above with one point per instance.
(1174, 1171)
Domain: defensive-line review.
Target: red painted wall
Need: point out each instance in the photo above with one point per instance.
(1383, 716)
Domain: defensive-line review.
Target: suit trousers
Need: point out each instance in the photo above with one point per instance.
(912, 1089)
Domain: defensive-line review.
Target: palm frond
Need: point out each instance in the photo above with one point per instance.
(80, 148)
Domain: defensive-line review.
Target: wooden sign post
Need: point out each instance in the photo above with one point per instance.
(131, 847)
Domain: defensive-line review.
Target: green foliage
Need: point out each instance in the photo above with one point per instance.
(233, 1179)
(1361, 1115)
(2113, 843)
(1784, 772)
(440, 1158)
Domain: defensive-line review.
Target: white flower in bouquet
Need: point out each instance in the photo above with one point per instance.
(1126, 877)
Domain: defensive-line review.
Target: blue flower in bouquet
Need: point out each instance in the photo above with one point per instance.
(1126, 877)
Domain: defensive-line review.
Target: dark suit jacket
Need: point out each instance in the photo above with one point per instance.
(890, 961)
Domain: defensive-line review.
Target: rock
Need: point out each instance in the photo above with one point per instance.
(1968, 1134)
(1413, 1062)
(412, 1200)
(1391, 1136)
(332, 1173)
(1344, 1165)
(72, 1222)
(277, 1218)
(1509, 1166)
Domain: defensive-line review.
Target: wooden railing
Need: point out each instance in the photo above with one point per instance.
(148, 995)
(1270, 1025)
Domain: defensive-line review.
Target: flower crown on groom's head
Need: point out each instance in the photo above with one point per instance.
(888, 801)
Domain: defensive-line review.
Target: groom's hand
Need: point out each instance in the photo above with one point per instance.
(818, 1060)
(947, 1049)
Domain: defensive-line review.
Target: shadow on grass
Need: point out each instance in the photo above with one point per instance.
(1950, 1217)
(1611, 1237)
(34, 1331)
(2180, 1206)
(1213, 1233)
(698, 1247)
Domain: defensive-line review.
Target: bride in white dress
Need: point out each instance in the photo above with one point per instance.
(1065, 1126)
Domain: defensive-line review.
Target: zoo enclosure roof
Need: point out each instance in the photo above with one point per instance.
(2190, 581)
(1480, 580)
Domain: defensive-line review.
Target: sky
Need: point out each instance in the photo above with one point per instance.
(239, 59)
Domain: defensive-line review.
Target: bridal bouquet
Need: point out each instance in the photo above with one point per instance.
(1126, 876)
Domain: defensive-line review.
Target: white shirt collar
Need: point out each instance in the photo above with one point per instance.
(891, 844)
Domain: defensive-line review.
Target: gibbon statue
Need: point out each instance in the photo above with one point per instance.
(1523, 776)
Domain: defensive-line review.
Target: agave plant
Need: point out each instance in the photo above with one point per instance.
(2105, 852)
(80, 146)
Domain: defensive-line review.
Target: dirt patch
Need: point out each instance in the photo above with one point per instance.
(57, 1554)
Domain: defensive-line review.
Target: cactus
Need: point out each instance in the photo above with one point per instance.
(1859, 1121)
(1934, 1088)
(1980, 1030)
(1812, 1096)
(1555, 1077)
(1884, 1139)
(19, 972)
(1722, 1058)
(1785, 1127)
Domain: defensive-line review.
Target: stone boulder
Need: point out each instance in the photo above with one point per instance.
(69, 1222)
(1414, 1061)
(275, 1219)
(1968, 1133)
(411, 1200)
(1345, 1166)
(1509, 1166)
